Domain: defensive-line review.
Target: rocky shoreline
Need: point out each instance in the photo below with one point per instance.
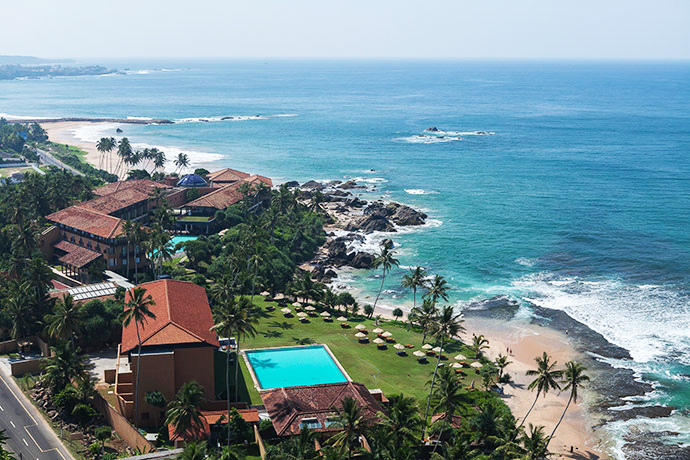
(351, 220)
(614, 388)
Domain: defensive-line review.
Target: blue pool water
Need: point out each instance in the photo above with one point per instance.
(182, 239)
(291, 367)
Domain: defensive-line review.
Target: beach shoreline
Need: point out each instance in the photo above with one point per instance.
(64, 132)
(525, 340)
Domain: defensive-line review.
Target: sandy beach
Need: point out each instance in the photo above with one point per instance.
(63, 132)
(526, 341)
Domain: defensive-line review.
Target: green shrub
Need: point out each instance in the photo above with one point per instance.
(66, 399)
(83, 413)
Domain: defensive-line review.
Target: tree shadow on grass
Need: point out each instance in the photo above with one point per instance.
(304, 341)
(272, 334)
(283, 325)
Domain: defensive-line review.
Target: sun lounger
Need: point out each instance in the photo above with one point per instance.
(382, 346)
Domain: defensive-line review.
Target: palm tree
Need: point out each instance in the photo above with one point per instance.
(398, 313)
(157, 400)
(352, 424)
(182, 161)
(479, 343)
(574, 378)
(194, 451)
(447, 325)
(17, 308)
(414, 280)
(501, 362)
(402, 422)
(66, 363)
(437, 289)
(386, 260)
(159, 160)
(137, 310)
(124, 152)
(535, 442)
(105, 145)
(4, 454)
(183, 411)
(447, 396)
(228, 315)
(425, 316)
(66, 319)
(546, 379)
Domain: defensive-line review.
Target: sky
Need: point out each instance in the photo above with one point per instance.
(438, 29)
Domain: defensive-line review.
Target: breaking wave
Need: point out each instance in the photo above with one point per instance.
(233, 118)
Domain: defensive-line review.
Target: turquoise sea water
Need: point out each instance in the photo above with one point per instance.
(580, 201)
(291, 367)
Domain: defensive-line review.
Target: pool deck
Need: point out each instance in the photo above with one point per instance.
(255, 379)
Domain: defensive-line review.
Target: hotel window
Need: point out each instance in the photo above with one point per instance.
(111, 262)
(311, 423)
(124, 261)
(138, 259)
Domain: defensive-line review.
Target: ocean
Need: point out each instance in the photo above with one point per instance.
(563, 184)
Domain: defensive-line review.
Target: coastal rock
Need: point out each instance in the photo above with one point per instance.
(334, 183)
(339, 193)
(313, 185)
(362, 260)
(330, 273)
(118, 130)
(291, 184)
(387, 243)
(370, 223)
(355, 202)
(350, 185)
(337, 250)
(433, 129)
(398, 213)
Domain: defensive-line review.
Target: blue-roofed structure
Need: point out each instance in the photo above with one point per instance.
(192, 180)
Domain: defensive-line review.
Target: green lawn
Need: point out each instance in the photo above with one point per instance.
(364, 363)
(7, 172)
(61, 150)
(195, 218)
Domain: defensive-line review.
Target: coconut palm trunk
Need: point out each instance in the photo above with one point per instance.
(383, 278)
(530, 410)
(227, 379)
(136, 390)
(431, 390)
(237, 365)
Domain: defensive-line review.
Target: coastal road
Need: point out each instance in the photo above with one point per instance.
(30, 436)
(49, 159)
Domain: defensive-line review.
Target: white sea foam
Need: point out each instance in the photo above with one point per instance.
(140, 118)
(650, 322)
(460, 133)
(230, 118)
(371, 180)
(419, 191)
(93, 132)
(527, 262)
(421, 139)
(22, 117)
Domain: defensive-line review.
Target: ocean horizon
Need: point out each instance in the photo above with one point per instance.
(562, 184)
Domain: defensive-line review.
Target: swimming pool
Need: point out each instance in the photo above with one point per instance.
(294, 366)
(181, 239)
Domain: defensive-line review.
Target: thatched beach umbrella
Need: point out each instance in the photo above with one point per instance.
(302, 314)
(437, 350)
(476, 365)
(265, 293)
(387, 334)
(310, 308)
(341, 318)
(286, 310)
(378, 330)
(460, 357)
(456, 365)
(427, 346)
(360, 326)
(377, 340)
(325, 314)
(360, 335)
(399, 346)
(419, 353)
(296, 304)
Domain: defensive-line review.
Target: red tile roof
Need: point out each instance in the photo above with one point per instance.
(456, 420)
(145, 185)
(113, 202)
(88, 220)
(288, 406)
(255, 179)
(210, 418)
(77, 256)
(183, 315)
(220, 198)
(228, 195)
(227, 175)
